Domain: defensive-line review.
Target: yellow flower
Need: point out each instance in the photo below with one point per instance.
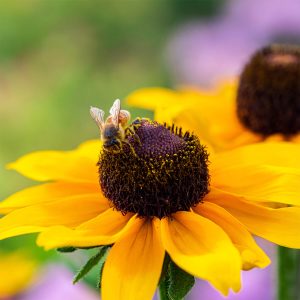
(155, 198)
(16, 273)
(263, 105)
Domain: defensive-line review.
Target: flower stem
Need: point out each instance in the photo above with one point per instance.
(288, 274)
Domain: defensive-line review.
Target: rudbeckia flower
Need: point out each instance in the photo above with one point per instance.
(263, 105)
(148, 189)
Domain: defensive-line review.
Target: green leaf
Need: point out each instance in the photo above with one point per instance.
(163, 288)
(101, 265)
(288, 273)
(72, 249)
(180, 282)
(91, 263)
(66, 249)
(165, 269)
(164, 279)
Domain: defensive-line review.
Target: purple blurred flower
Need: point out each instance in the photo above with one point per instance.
(267, 18)
(203, 53)
(56, 284)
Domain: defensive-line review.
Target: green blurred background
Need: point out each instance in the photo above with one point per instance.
(58, 57)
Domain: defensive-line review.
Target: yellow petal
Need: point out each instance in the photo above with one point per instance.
(278, 225)
(166, 103)
(222, 130)
(252, 255)
(16, 272)
(213, 120)
(133, 267)
(280, 154)
(69, 212)
(47, 192)
(190, 120)
(168, 115)
(260, 183)
(104, 229)
(203, 249)
(152, 98)
(77, 165)
(295, 138)
(90, 149)
(275, 138)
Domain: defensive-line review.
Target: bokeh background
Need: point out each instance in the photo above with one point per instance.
(58, 57)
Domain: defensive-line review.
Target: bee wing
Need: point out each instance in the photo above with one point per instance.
(115, 112)
(98, 116)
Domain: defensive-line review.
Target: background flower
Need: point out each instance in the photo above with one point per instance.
(55, 283)
(17, 272)
(203, 52)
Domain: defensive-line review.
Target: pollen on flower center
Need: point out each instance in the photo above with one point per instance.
(268, 98)
(159, 170)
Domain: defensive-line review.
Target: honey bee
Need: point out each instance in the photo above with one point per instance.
(113, 129)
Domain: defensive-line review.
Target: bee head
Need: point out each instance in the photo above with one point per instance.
(115, 122)
(110, 131)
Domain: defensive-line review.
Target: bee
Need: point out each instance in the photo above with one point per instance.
(113, 129)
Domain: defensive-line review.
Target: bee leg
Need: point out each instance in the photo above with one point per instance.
(116, 147)
(119, 146)
(137, 139)
(129, 130)
(135, 136)
(131, 147)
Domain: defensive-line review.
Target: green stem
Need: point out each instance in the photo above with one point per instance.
(288, 274)
(163, 290)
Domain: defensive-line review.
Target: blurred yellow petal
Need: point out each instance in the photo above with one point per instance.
(133, 267)
(213, 117)
(166, 103)
(16, 273)
(152, 98)
(47, 192)
(252, 255)
(79, 165)
(90, 149)
(202, 248)
(278, 225)
(68, 212)
(295, 138)
(212, 123)
(162, 117)
(275, 138)
(104, 229)
(280, 154)
(260, 183)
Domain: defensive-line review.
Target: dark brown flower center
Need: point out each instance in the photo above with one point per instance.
(268, 99)
(158, 171)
